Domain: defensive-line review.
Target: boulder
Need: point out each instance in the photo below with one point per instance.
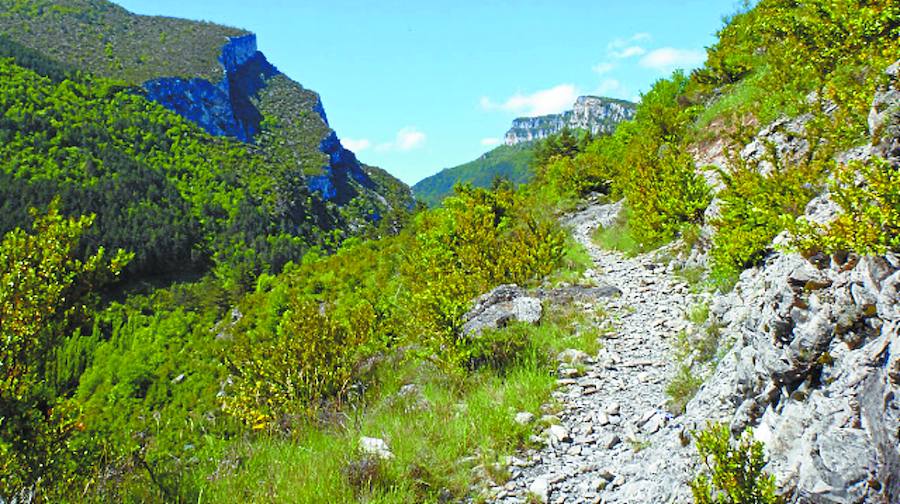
(496, 309)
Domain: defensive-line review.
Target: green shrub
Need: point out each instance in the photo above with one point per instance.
(733, 469)
(869, 194)
(45, 293)
(309, 359)
(479, 240)
(755, 208)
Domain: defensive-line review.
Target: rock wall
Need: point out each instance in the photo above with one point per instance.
(814, 367)
(227, 108)
(224, 108)
(599, 115)
(813, 359)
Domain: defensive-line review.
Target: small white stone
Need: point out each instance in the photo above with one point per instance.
(540, 488)
(376, 447)
(524, 418)
(558, 433)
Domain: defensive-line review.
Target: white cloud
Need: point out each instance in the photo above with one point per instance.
(622, 48)
(546, 101)
(666, 59)
(489, 142)
(603, 68)
(618, 43)
(356, 145)
(410, 138)
(407, 139)
(628, 52)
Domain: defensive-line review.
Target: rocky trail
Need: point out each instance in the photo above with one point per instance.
(616, 409)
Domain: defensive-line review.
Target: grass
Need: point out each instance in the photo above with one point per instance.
(682, 388)
(699, 348)
(575, 262)
(693, 276)
(618, 237)
(437, 448)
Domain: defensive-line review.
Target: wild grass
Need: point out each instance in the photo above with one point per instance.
(693, 350)
(575, 261)
(618, 237)
(441, 434)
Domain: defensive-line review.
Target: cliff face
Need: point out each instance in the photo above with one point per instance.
(232, 107)
(225, 108)
(597, 114)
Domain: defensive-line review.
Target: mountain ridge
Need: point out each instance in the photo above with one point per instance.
(597, 114)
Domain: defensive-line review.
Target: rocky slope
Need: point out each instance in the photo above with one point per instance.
(213, 76)
(599, 115)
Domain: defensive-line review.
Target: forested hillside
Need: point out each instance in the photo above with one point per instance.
(512, 163)
(185, 317)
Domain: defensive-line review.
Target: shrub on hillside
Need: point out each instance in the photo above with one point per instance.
(733, 469)
(479, 240)
(756, 205)
(869, 194)
(309, 359)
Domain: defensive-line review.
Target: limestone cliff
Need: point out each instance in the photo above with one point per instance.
(594, 113)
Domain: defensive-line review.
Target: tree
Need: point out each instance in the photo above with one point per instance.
(45, 292)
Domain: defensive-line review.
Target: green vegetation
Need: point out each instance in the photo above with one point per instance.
(733, 469)
(106, 40)
(508, 162)
(254, 334)
(148, 378)
(618, 236)
(44, 292)
(870, 222)
(755, 207)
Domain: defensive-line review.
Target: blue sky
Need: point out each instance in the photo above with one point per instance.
(414, 87)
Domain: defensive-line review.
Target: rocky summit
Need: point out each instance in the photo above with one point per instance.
(597, 114)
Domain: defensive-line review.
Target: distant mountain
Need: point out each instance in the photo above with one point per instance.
(512, 162)
(210, 74)
(597, 114)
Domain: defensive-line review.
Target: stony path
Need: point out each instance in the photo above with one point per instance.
(613, 415)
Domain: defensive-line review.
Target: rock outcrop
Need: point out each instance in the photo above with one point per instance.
(496, 309)
(814, 369)
(599, 115)
(230, 108)
(224, 108)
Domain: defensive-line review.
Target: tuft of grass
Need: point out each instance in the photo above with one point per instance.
(693, 276)
(699, 313)
(617, 237)
(682, 388)
(575, 261)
